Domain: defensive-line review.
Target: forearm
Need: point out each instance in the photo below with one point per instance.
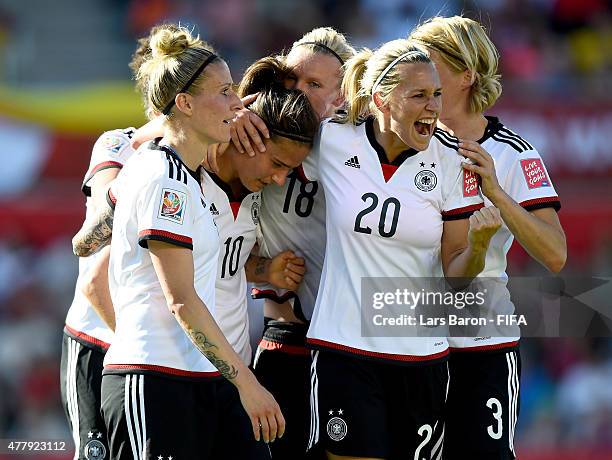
(257, 269)
(543, 241)
(96, 290)
(94, 234)
(201, 328)
(468, 263)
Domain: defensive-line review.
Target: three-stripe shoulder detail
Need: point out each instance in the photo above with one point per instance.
(446, 139)
(512, 139)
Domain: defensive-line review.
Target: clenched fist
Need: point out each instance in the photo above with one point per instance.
(484, 223)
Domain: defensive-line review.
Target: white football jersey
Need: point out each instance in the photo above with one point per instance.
(293, 218)
(158, 198)
(522, 174)
(383, 220)
(111, 150)
(237, 222)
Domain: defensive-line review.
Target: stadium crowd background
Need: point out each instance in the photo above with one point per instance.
(64, 79)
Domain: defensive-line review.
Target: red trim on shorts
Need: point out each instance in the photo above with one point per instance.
(165, 234)
(471, 208)
(283, 347)
(235, 205)
(374, 354)
(388, 171)
(86, 337)
(497, 346)
(162, 369)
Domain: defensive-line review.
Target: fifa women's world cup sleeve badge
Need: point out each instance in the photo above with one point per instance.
(172, 206)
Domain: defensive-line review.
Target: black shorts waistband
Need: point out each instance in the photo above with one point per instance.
(285, 332)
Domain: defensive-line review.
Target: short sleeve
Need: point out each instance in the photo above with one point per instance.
(464, 196)
(111, 150)
(165, 212)
(529, 184)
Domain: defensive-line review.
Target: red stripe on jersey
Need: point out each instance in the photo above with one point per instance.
(497, 346)
(301, 174)
(272, 295)
(374, 354)
(388, 171)
(105, 165)
(86, 337)
(170, 235)
(283, 347)
(452, 212)
(162, 369)
(112, 196)
(548, 199)
(235, 205)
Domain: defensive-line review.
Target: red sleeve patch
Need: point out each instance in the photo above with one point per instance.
(534, 172)
(470, 183)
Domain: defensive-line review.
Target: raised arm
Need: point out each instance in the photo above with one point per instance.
(465, 243)
(174, 268)
(94, 234)
(538, 231)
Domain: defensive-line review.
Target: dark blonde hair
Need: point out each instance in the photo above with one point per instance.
(376, 71)
(286, 112)
(463, 44)
(328, 41)
(175, 58)
(140, 55)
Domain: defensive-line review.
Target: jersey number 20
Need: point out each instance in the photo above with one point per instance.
(388, 203)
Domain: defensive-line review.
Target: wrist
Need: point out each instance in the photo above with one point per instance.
(244, 379)
(496, 196)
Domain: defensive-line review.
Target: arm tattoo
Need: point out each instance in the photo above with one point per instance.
(206, 347)
(94, 234)
(260, 266)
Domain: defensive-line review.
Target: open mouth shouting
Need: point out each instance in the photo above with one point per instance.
(425, 126)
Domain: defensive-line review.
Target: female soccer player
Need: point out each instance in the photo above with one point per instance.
(394, 207)
(292, 124)
(485, 371)
(90, 321)
(293, 217)
(167, 354)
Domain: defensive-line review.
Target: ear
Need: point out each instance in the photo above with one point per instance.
(379, 103)
(338, 103)
(183, 102)
(468, 79)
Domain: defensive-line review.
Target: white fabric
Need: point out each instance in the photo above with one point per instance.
(157, 198)
(111, 150)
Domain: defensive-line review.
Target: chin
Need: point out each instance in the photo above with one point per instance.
(421, 144)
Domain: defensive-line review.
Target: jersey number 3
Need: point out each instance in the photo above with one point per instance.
(385, 210)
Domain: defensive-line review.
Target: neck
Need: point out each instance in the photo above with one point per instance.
(465, 125)
(227, 170)
(191, 153)
(388, 140)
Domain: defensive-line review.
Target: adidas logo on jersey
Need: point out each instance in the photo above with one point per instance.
(213, 209)
(353, 162)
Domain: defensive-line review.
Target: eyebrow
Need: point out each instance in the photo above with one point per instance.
(278, 160)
